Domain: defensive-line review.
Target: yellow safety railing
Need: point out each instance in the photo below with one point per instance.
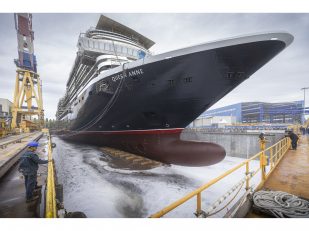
(51, 203)
(270, 156)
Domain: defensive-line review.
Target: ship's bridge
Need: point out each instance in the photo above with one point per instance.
(95, 42)
(112, 26)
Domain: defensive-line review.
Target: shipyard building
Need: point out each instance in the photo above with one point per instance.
(254, 112)
(5, 108)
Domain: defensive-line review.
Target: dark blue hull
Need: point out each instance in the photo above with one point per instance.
(166, 94)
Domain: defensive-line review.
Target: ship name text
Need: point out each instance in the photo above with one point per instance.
(132, 73)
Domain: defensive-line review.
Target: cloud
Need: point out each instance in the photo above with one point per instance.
(56, 37)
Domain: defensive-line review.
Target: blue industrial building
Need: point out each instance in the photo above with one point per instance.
(261, 112)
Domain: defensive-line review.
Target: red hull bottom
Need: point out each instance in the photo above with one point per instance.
(162, 145)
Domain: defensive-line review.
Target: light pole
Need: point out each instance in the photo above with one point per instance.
(304, 89)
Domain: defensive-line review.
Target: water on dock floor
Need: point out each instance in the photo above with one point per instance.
(96, 186)
(12, 194)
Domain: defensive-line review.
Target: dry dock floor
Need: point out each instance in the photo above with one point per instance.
(12, 190)
(292, 173)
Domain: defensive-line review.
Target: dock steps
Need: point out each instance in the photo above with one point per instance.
(131, 159)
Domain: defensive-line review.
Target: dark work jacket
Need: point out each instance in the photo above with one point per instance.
(29, 163)
(293, 137)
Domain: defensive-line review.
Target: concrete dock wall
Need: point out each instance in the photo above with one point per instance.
(243, 145)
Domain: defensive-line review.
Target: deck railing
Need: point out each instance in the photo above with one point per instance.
(268, 158)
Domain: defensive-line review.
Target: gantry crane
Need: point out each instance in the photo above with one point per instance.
(28, 102)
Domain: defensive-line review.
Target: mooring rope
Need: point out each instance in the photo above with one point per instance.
(281, 204)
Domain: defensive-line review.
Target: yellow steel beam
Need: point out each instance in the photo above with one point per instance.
(33, 91)
(25, 87)
(51, 204)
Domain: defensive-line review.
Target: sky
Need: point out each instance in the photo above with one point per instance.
(56, 37)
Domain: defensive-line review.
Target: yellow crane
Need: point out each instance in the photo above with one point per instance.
(27, 110)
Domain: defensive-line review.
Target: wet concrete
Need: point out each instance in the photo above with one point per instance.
(12, 197)
(292, 173)
(12, 191)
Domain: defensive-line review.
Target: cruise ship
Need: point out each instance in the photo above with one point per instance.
(122, 96)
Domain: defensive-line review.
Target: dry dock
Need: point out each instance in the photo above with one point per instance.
(291, 175)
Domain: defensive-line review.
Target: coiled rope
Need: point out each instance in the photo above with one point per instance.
(281, 204)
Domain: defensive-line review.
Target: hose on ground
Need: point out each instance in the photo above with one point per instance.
(281, 204)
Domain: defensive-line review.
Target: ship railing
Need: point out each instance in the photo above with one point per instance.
(51, 202)
(268, 159)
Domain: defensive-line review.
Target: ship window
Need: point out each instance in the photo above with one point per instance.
(130, 51)
(171, 82)
(118, 48)
(83, 98)
(230, 75)
(188, 80)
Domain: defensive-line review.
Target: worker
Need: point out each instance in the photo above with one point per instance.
(294, 138)
(263, 141)
(29, 164)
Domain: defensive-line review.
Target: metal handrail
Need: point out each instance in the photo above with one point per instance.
(51, 203)
(277, 151)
